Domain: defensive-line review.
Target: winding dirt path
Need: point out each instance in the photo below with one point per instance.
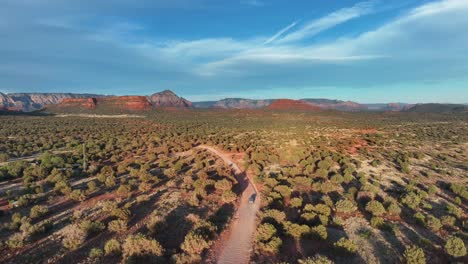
(236, 249)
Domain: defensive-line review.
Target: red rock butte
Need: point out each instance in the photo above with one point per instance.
(89, 103)
(121, 102)
(288, 104)
(126, 102)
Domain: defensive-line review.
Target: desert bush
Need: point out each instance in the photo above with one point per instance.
(345, 206)
(455, 247)
(337, 179)
(375, 208)
(124, 190)
(199, 238)
(432, 190)
(112, 247)
(277, 215)
(412, 200)
(142, 198)
(271, 246)
(284, 190)
(448, 220)
(296, 230)
(296, 202)
(420, 218)
(414, 255)
(433, 223)
(38, 211)
(95, 254)
(264, 232)
(73, 237)
(92, 186)
(139, 245)
(322, 209)
(377, 222)
(229, 196)
(77, 195)
(455, 210)
(459, 190)
(346, 245)
(183, 258)
(318, 259)
(393, 208)
(223, 185)
(118, 226)
(91, 226)
(16, 240)
(320, 231)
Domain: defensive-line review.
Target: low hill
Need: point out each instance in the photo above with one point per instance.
(168, 98)
(439, 108)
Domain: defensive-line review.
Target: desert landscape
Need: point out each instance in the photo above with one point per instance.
(176, 185)
(233, 132)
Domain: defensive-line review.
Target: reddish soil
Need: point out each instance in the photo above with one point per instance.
(287, 104)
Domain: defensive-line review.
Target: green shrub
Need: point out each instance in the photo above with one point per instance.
(296, 202)
(15, 241)
(455, 210)
(433, 223)
(73, 237)
(139, 245)
(394, 209)
(377, 222)
(345, 206)
(265, 232)
(320, 231)
(420, 218)
(229, 196)
(455, 247)
(448, 220)
(195, 243)
(296, 230)
(318, 259)
(38, 211)
(346, 245)
(414, 255)
(272, 246)
(375, 208)
(112, 247)
(411, 200)
(118, 226)
(91, 226)
(95, 253)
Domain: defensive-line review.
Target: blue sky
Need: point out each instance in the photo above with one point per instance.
(365, 51)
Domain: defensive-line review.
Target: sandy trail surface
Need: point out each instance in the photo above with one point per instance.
(238, 246)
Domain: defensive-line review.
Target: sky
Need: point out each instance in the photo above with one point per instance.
(373, 51)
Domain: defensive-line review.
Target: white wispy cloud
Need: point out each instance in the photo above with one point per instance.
(280, 33)
(314, 27)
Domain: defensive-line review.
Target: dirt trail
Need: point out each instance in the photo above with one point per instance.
(238, 246)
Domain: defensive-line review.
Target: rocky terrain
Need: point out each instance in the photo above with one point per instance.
(35, 101)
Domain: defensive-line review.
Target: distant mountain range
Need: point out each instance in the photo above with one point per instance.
(242, 103)
(167, 99)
